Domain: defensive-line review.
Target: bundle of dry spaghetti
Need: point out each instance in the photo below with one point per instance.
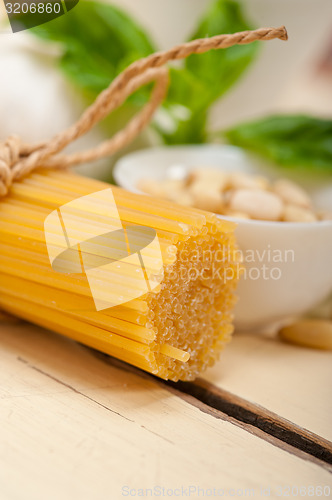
(139, 278)
(174, 330)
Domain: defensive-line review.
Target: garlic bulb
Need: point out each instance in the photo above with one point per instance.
(36, 99)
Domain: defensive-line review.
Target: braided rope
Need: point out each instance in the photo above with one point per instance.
(18, 159)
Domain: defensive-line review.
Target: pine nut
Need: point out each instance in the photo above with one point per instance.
(258, 204)
(323, 215)
(315, 333)
(237, 194)
(205, 196)
(293, 213)
(237, 215)
(240, 180)
(210, 176)
(291, 193)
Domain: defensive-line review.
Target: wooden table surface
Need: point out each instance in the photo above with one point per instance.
(78, 425)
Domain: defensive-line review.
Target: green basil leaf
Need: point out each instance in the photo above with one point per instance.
(98, 41)
(219, 69)
(206, 77)
(289, 140)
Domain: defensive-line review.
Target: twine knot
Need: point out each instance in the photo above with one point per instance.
(9, 156)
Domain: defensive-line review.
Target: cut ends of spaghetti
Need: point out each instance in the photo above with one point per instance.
(192, 312)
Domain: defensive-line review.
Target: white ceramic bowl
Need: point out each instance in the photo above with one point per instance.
(288, 265)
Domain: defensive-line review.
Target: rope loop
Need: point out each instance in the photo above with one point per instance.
(18, 159)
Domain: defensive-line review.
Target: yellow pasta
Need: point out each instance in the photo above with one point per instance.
(154, 288)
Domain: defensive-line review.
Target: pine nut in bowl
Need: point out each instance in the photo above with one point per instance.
(285, 244)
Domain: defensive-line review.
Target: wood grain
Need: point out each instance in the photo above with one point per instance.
(72, 426)
(291, 381)
(252, 417)
(257, 418)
